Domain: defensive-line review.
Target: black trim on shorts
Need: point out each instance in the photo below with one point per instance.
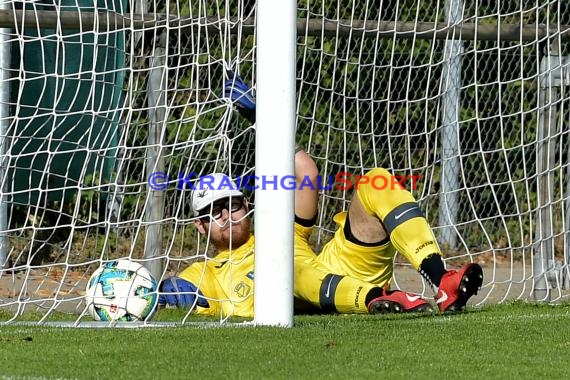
(306, 222)
(351, 238)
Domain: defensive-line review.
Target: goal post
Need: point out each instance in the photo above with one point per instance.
(4, 123)
(275, 147)
(483, 91)
(451, 99)
(551, 270)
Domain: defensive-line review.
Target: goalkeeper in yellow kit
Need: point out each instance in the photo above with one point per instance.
(352, 273)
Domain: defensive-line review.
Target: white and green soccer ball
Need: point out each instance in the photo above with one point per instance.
(121, 290)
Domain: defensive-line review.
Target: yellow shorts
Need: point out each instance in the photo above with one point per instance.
(342, 257)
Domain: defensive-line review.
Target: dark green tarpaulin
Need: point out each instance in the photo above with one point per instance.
(67, 89)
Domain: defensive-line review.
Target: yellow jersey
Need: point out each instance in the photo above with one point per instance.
(226, 281)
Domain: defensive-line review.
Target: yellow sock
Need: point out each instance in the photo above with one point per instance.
(349, 294)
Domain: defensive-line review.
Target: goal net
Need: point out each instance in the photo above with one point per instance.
(107, 107)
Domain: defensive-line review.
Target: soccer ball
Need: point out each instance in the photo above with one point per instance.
(121, 290)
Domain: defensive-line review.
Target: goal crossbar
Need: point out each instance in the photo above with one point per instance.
(439, 30)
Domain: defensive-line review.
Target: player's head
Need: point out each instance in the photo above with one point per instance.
(221, 211)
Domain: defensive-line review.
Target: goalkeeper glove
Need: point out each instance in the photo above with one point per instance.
(240, 93)
(180, 293)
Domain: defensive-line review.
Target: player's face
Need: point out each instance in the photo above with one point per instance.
(226, 222)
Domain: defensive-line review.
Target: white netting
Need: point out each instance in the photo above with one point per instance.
(465, 116)
(94, 110)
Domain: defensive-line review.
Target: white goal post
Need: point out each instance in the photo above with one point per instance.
(104, 113)
(275, 147)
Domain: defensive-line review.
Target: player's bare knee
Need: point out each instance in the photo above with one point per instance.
(379, 173)
(365, 227)
(377, 179)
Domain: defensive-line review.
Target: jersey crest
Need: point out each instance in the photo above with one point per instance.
(242, 289)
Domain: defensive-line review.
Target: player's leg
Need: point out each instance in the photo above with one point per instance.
(371, 263)
(332, 293)
(317, 285)
(390, 212)
(314, 285)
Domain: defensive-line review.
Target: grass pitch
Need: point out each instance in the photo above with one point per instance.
(515, 341)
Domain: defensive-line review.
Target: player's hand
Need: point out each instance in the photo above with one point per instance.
(180, 293)
(241, 95)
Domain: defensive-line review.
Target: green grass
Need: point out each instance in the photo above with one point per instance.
(520, 341)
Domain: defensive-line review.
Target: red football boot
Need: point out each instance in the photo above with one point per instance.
(396, 301)
(456, 287)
